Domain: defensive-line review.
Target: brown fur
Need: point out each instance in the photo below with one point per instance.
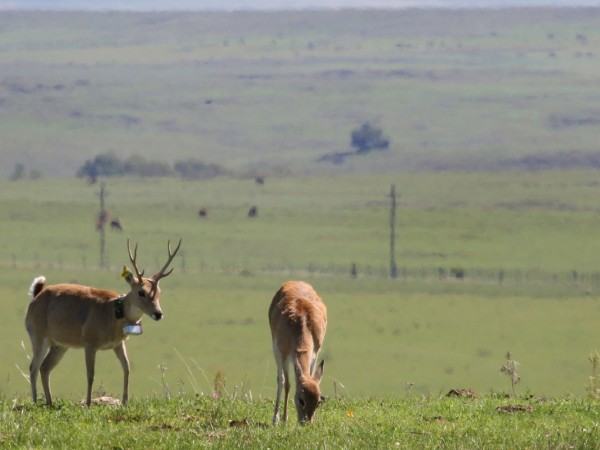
(298, 320)
(64, 316)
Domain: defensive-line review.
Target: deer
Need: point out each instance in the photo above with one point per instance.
(64, 316)
(298, 321)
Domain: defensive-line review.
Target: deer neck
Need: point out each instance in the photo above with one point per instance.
(302, 359)
(130, 312)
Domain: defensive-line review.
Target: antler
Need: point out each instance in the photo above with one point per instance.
(161, 273)
(132, 259)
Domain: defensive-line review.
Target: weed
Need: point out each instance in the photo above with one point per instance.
(593, 386)
(509, 368)
(163, 381)
(219, 384)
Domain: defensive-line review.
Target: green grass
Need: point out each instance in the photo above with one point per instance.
(452, 89)
(272, 92)
(201, 421)
(436, 333)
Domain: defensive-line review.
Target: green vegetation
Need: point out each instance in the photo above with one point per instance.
(434, 330)
(273, 93)
(488, 262)
(109, 165)
(203, 421)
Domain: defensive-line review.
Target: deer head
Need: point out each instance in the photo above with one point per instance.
(144, 296)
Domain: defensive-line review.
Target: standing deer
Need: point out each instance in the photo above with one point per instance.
(64, 316)
(298, 320)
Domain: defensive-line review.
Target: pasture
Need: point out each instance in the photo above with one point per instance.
(206, 422)
(271, 93)
(421, 333)
(491, 117)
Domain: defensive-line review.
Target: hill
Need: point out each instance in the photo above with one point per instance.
(274, 92)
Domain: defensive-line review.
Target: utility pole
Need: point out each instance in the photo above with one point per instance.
(393, 267)
(100, 226)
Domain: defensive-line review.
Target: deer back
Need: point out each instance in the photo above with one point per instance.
(66, 313)
(298, 318)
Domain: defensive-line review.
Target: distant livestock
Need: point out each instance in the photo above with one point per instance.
(115, 224)
(203, 213)
(253, 211)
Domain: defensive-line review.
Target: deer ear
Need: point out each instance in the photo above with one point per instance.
(319, 372)
(127, 275)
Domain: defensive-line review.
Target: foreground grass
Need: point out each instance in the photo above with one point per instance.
(492, 421)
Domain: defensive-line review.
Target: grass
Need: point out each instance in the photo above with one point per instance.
(269, 94)
(436, 333)
(273, 92)
(201, 421)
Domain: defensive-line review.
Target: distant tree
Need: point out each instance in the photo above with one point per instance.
(18, 172)
(194, 169)
(138, 165)
(105, 164)
(367, 138)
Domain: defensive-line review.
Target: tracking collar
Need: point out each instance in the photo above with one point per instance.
(119, 308)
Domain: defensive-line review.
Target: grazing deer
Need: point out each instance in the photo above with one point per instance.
(64, 316)
(298, 320)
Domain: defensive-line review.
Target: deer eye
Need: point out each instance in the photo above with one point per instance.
(142, 293)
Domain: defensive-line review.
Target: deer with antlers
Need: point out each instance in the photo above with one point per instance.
(298, 320)
(64, 316)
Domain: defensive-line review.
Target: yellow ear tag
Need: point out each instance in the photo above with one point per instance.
(126, 273)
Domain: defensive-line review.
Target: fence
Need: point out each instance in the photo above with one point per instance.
(188, 265)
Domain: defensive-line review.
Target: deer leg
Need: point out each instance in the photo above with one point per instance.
(50, 361)
(121, 353)
(313, 360)
(90, 361)
(280, 383)
(287, 390)
(40, 348)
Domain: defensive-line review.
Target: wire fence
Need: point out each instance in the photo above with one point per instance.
(186, 265)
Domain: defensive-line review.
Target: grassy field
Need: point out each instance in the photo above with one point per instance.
(466, 97)
(199, 422)
(423, 331)
(273, 92)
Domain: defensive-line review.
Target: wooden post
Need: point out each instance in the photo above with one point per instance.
(102, 220)
(393, 266)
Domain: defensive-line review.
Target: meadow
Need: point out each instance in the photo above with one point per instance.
(205, 422)
(491, 117)
(422, 331)
(271, 93)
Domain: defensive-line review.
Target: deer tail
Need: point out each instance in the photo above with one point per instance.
(37, 286)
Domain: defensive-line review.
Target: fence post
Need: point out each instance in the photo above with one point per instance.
(393, 267)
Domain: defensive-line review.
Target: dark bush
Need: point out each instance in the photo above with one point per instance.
(105, 164)
(194, 169)
(138, 165)
(367, 138)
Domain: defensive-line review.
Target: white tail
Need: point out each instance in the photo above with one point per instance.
(298, 320)
(64, 316)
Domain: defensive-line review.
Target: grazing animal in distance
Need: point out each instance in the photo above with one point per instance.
(64, 316)
(115, 224)
(203, 213)
(253, 211)
(298, 320)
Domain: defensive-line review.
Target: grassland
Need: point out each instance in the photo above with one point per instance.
(273, 92)
(201, 422)
(268, 94)
(384, 334)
